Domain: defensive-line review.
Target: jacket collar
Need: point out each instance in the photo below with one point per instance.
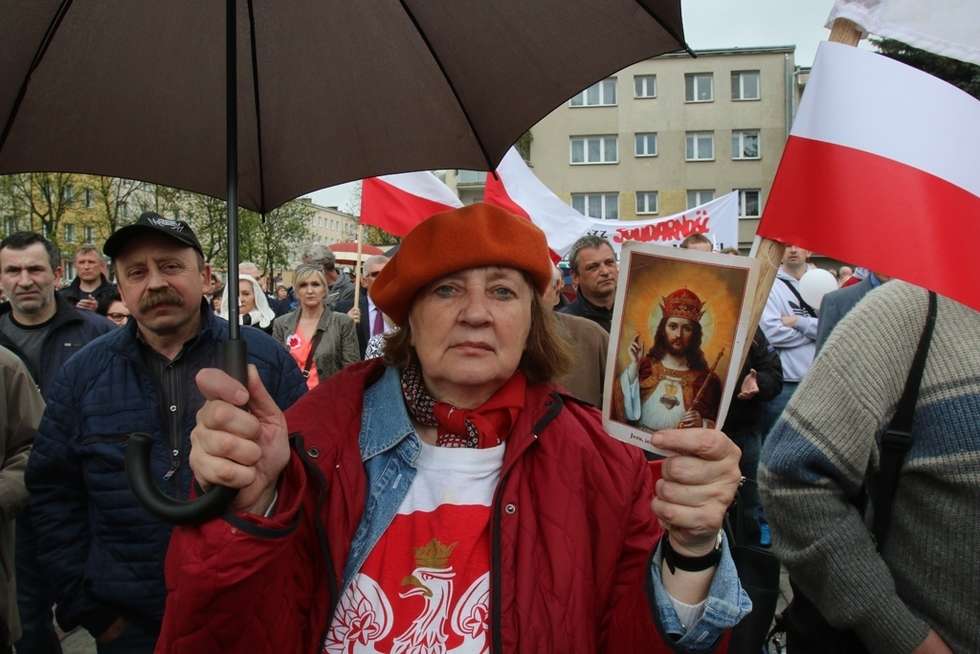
(291, 319)
(385, 421)
(64, 312)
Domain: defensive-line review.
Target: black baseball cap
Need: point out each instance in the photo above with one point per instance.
(150, 222)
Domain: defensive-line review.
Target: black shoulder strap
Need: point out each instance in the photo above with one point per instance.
(803, 305)
(897, 439)
(309, 357)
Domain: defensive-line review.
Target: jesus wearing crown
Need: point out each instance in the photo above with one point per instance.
(672, 386)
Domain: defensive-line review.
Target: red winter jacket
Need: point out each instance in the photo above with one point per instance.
(572, 536)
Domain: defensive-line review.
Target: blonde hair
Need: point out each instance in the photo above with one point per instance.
(307, 270)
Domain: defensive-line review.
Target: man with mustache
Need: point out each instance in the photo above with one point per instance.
(98, 546)
(44, 330)
(672, 386)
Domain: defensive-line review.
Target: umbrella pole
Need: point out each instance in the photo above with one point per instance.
(357, 270)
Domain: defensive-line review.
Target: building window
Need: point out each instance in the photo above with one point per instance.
(698, 87)
(67, 194)
(122, 208)
(700, 146)
(69, 233)
(647, 202)
(88, 198)
(593, 149)
(644, 86)
(745, 144)
(11, 225)
(745, 85)
(748, 202)
(699, 196)
(600, 94)
(46, 230)
(645, 144)
(597, 205)
(89, 234)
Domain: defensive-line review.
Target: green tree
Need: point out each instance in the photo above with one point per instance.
(46, 196)
(115, 196)
(960, 74)
(270, 240)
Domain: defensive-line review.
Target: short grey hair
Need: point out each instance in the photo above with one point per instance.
(320, 255)
(376, 259)
(587, 241)
(249, 268)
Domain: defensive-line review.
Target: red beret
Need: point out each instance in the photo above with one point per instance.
(470, 237)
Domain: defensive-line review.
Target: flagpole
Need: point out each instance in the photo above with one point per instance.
(357, 268)
(768, 252)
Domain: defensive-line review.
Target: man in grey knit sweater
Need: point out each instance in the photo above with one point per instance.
(922, 594)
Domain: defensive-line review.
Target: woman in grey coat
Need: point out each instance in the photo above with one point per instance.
(320, 340)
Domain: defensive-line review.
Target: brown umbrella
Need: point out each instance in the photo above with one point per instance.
(316, 92)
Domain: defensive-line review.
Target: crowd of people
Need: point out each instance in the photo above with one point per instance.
(421, 465)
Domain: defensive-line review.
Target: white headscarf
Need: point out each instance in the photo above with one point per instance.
(262, 315)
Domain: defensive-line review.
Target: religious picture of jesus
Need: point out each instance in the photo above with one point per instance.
(677, 335)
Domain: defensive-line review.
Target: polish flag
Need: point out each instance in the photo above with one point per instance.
(519, 191)
(397, 203)
(882, 168)
(950, 29)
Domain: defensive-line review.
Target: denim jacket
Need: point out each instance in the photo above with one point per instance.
(389, 449)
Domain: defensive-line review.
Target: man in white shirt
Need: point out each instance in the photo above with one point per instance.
(370, 320)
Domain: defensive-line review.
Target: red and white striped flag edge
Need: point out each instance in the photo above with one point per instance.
(519, 191)
(882, 169)
(397, 203)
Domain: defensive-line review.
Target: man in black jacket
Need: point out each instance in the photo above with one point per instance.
(594, 272)
(44, 331)
(90, 290)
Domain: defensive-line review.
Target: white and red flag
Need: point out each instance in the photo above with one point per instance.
(397, 203)
(882, 168)
(950, 28)
(519, 191)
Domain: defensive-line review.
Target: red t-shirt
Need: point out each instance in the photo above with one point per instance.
(425, 587)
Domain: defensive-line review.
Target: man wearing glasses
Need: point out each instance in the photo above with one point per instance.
(370, 321)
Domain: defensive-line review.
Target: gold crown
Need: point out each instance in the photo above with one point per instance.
(683, 303)
(434, 554)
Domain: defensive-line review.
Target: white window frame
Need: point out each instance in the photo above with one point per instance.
(644, 87)
(699, 76)
(603, 88)
(743, 202)
(700, 200)
(738, 144)
(647, 210)
(695, 134)
(646, 138)
(605, 198)
(69, 232)
(89, 232)
(603, 142)
(740, 75)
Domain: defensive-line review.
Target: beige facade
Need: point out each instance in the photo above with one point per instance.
(329, 225)
(587, 152)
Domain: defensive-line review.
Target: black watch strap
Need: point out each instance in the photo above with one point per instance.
(676, 560)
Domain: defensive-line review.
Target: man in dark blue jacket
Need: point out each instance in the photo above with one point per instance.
(100, 548)
(43, 330)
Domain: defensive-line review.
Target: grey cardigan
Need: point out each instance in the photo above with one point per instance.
(337, 347)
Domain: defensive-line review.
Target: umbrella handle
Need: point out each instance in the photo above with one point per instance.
(215, 501)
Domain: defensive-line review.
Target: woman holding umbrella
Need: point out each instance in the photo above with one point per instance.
(449, 497)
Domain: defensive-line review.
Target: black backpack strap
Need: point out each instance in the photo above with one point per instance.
(803, 305)
(309, 357)
(897, 439)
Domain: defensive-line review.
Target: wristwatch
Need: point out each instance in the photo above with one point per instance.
(675, 560)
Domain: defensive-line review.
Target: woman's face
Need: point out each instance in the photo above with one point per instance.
(282, 293)
(311, 291)
(246, 297)
(469, 330)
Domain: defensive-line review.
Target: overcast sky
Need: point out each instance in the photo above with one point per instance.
(720, 24)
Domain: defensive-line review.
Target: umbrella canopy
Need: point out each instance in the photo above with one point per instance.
(346, 251)
(328, 90)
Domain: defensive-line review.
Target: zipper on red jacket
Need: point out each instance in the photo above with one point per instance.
(554, 407)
